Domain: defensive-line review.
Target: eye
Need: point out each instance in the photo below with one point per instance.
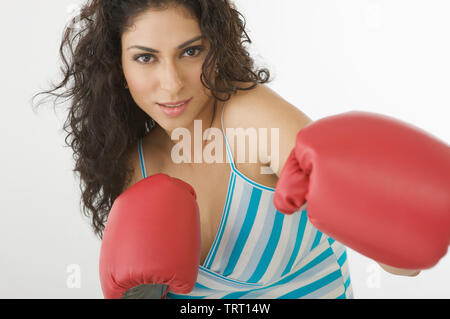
(144, 58)
(140, 56)
(193, 49)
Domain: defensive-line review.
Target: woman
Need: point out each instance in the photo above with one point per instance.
(142, 70)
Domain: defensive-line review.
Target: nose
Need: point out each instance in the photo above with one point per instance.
(170, 78)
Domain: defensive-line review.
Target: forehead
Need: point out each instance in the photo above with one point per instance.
(162, 26)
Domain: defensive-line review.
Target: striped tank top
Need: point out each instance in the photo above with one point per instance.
(259, 252)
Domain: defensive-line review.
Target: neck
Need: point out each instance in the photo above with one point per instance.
(209, 117)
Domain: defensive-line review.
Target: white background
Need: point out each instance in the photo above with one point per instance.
(326, 57)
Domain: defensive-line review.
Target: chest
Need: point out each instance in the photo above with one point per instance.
(211, 184)
(212, 187)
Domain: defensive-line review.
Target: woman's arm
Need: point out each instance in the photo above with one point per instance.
(263, 107)
(399, 271)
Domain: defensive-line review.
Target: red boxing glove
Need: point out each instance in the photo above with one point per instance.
(151, 239)
(375, 184)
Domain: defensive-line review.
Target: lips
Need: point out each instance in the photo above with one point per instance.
(174, 111)
(168, 104)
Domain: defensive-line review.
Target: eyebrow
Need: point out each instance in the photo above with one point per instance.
(181, 46)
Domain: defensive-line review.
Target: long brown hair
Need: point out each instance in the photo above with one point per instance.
(93, 81)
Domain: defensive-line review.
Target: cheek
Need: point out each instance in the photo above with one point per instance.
(193, 73)
(195, 81)
(137, 80)
(140, 87)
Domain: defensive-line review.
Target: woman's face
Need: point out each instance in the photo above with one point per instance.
(162, 58)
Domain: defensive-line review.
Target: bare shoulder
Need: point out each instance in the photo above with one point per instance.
(264, 104)
(263, 108)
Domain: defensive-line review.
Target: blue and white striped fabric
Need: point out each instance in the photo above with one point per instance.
(259, 252)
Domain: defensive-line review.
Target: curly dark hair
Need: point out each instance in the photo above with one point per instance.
(93, 81)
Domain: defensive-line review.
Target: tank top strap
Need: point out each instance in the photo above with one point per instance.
(229, 153)
(141, 159)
